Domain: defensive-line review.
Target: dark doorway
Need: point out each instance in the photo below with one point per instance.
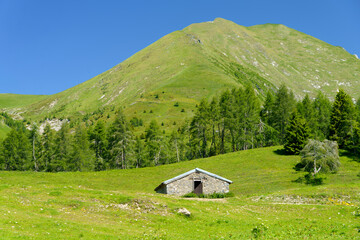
(198, 187)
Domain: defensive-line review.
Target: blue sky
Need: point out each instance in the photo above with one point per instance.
(49, 46)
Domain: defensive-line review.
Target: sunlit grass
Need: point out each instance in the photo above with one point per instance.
(122, 203)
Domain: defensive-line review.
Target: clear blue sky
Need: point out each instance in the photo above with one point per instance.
(48, 46)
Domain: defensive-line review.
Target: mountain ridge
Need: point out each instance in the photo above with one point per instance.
(202, 60)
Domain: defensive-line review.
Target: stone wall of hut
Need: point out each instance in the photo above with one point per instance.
(186, 184)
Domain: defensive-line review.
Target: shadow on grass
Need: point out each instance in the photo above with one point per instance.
(309, 179)
(350, 154)
(281, 152)
(298, 167)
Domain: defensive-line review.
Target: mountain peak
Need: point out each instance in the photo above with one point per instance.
(203, 60)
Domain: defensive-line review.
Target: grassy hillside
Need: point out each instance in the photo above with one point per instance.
(121, 204)
(202, 60)
(18, 100)
(4, 129)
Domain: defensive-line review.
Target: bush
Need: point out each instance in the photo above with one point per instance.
(190, 195)
(320, 156)
(259, 230)
(212, 195)
(221, 195)
(314, 180)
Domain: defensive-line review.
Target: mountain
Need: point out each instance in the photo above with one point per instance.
(201, 61)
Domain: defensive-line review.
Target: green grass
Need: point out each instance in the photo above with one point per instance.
(18, 100)
(121, 204)
(4, 130)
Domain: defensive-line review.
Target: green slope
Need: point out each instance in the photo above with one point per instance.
(201, 61)
(121, 204)
(15, 104)
(4, 130)
(8, 100)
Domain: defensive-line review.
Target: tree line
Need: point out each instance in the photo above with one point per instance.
(233, 121)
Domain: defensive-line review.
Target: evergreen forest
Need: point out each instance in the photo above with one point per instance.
(236, 120)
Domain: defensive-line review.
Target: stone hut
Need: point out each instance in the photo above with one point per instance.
(197, 181)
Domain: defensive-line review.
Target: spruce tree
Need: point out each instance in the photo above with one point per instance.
(226, 104)
(307, 112)
(357, 110)
(62, 149)
(16, 152)
(82, 157)
(153, 140)
(341, 120)
(356, 142)
(199, 128)
(250, 117)
(214, 118)
(296, 135)
(98, 143)
(35, 140)
(48, 148)
(283, 107)
(120, 142)
(139, 151)
(266, 111)
(322, 111)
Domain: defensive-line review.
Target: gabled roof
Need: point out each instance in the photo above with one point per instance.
(190, 172)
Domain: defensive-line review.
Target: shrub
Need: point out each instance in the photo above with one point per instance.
(320, 156)
(190, 195)
(212, 195)
(259, 230)
(314, 179)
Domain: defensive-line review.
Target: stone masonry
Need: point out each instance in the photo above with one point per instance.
(186, 184)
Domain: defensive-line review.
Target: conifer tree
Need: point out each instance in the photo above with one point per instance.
(62, 149)
(306, 110)
(139, 150)
(99, 145)
(35, 146)
(214, 118)
(199, 131)
(322, 112)
(297, 134)
(341, 120)
(250, 117)
(356, 142)
(82, 157)
(120, 142)
(266, 111)
(357, 110)
(226, 105)
(283, 107)
(16, 152)
(48, 148)
(153, 140)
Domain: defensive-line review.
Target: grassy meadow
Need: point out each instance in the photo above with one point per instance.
(8, 100)
(121, 204)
